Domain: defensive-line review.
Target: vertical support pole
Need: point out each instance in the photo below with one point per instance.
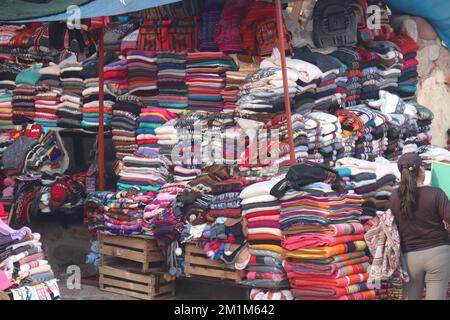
(287, 102)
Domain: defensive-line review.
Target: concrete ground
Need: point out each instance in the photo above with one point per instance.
(187, 289)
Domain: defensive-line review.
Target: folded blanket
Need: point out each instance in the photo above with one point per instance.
(317, 240)
(326, 252)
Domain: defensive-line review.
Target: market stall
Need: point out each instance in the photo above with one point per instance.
(248, 146)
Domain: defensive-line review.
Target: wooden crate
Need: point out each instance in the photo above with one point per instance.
(125, 277)
(143, 249)
(196, 263)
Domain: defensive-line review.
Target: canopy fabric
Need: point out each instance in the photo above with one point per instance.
(437, 12)
(22, 9)
(55, 10)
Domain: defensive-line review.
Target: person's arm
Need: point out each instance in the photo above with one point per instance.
(443, 205)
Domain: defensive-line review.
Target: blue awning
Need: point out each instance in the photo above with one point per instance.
(95, 8)
(437, 12)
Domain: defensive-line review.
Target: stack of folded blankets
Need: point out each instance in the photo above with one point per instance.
(50, 77)
(234, 80)
(407, 82)
(46, 105)
(390, 63)
(182, 174)
(147, 171)
(205, 78)
(116, 76)
(6, 110)
(324, 90)
(363, 145)
(424, 119)
(91, 107)
(143, 76)
(159, 217)
(167, 137)
(94, 211)
(263, 90)
(8, 74)
(190, 129)
(69, 111)
(123, 212)
(150, 119)
(330, 139)
(124, 124)
(324, 247)
(24, 268)
(23, 104)
(172, 86)
(351, 59)
(352, 130)
(374, 181)
(261, 212)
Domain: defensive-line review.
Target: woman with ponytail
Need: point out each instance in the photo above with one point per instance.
(419, 212)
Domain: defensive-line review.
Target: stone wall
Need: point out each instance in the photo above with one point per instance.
(434, 74)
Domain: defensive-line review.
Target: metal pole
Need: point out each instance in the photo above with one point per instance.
(287, 102)
(101, 131)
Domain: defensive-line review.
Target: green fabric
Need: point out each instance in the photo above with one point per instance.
(22, 10)
(29, 76)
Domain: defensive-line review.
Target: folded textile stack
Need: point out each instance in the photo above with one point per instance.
(50, 77)
(353, 129)
(325, 90)
(261, 212)
(409, 77)
(116, 76)
(167, 137)
(23, 104)
(424, 119)
(374, 181)
(190, 129)
(182, 174)
(389, 68)
(91, 107)
(374, 141)
(124, 124)
(172, 86)
(124, 211)
(162, 217)
(205, 78)
(324, 247)
(94, 209)
(230, 94)
(69, 111)
(147, 171)
(6, 109)
(47, 104)
(351, 58)
(263, 90)
(330, 140)
(430, 153)
(8, 74)
(150, 119)
(143, 76)
(24, 267)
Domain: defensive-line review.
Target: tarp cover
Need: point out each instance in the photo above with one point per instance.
(20, 9)
(436, 12)
(56, 10)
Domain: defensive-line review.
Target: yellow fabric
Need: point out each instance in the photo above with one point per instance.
(323, 252)
(270, 247)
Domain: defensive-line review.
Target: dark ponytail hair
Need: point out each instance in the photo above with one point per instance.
(408, 190)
